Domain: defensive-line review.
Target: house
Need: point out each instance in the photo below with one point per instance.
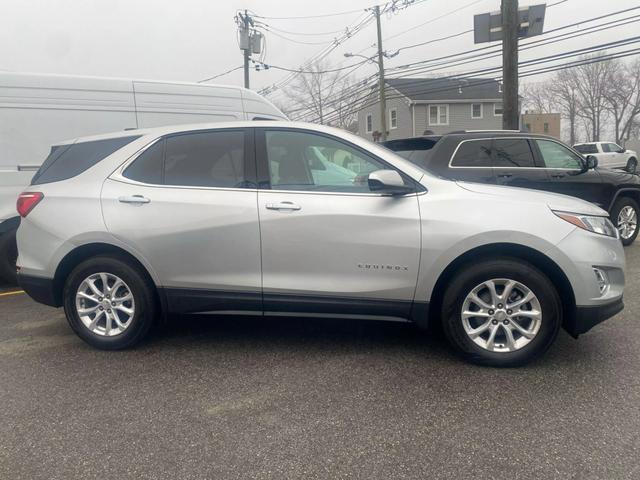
(438, 104)
(546, 123)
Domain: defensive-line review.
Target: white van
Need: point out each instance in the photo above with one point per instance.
(38, 110)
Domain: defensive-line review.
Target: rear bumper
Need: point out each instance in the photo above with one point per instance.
(585, 318)
(40, 289)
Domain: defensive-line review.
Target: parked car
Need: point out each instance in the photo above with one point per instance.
(530, 161)
(121, 229)
(610, 155)
(38, 110)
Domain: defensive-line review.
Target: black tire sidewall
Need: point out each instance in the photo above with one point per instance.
(145, 305)
(615, 211)
(474, 274)
(632, 165)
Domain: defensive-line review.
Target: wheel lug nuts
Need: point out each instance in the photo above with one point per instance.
(101, 308)
(100, 298)
(109, 311)
(491, 312)
(499, 305)
(509, 312)
(494, 322)
(506, 322)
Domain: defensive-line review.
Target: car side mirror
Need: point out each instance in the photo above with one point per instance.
(591, 162)
(389, 182)
(622, 150)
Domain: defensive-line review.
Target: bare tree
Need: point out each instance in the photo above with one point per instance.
(537, 97)
(311, 90)
(622, 97)
(591, 81)
(562, 90)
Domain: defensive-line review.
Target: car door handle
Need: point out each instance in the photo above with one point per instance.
(505, 175)
(283, 206)
(558, 175)
(133, 199)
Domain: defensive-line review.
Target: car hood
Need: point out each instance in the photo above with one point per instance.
(554, 201)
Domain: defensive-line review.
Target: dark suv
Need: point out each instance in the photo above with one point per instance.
(529, 161)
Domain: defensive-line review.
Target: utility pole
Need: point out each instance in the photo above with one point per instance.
(246, 51)
(510, 26)
(383, 102)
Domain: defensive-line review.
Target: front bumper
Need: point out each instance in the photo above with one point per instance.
(585, 318)
(41, 289)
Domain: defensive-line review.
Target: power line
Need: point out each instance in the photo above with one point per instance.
(494, 50)
(593, 49)
(535, 71)
(220, 74)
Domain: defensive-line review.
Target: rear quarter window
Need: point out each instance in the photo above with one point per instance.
(67, 161)
(586, 149)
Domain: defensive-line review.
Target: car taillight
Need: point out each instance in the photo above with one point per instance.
(27, 201)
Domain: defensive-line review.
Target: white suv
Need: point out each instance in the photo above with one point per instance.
(610, 155)
(251, 218)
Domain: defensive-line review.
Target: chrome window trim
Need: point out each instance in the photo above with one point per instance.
(514, 168)
(118, 176)
(118, 173)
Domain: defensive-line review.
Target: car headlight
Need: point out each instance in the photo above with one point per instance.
(600, 225)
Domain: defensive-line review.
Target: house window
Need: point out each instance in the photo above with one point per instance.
(438, 114)
(476, 110)
(369, 123)
(546, 127)
(497, 109)
(393, 118)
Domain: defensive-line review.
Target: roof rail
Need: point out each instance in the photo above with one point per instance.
(487, 131)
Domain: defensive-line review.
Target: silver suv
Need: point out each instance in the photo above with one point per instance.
(275, 218)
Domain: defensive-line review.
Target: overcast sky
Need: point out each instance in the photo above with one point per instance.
(189, 40)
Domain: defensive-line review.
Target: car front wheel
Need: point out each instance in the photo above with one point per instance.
(501, 312)
(109, 303)
(632, 165)
(624, 215)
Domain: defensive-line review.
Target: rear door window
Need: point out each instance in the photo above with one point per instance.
(205, 159)
(473, 153)
(67, 161)
(512, 153)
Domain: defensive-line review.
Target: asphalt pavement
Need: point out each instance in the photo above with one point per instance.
(226, 398)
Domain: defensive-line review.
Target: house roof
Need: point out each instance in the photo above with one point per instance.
(446, 88)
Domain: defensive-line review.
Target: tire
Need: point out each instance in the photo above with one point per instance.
(473, 275)
(625, 223)
(632, 165)
(143, 302)
(8, 257)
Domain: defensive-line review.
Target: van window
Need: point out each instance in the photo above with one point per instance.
(473, 153)
(147, 168)
(205, 159)
(67, 161)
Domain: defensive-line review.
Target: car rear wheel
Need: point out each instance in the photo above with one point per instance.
(624, 215)
(109, 303)
(501, 312)
(632, 165)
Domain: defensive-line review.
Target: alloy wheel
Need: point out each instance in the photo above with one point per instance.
(501, 315)
(627, 222)
(105, 304)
